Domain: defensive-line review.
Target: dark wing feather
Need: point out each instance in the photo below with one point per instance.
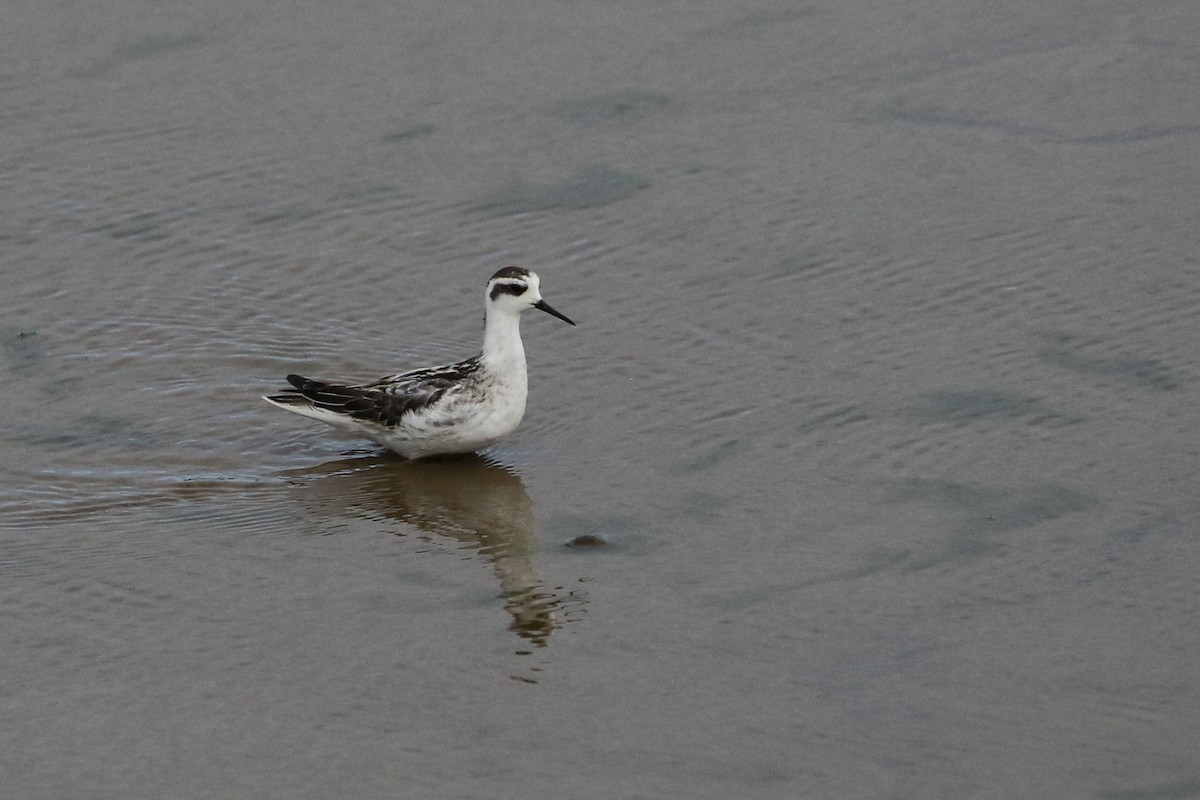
(385, 401)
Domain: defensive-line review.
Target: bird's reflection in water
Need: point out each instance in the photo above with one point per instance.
(475, 500)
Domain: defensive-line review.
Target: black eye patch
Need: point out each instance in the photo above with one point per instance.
(515, 289)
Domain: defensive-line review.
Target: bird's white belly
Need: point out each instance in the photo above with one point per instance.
(459, 423)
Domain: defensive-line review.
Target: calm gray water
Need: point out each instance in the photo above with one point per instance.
(870, 470)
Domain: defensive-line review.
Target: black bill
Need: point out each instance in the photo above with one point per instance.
(544, 306)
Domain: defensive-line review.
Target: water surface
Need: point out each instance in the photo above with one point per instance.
(868, 472)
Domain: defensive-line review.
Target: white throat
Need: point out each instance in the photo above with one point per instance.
(503, 352)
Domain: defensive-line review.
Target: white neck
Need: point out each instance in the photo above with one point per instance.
(502, 349)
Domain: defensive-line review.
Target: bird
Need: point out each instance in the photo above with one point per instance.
(456, 408)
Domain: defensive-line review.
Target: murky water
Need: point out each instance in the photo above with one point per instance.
(869, 471)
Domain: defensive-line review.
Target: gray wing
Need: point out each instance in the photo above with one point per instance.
(386, 400)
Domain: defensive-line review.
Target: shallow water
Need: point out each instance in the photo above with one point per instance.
(869, 470)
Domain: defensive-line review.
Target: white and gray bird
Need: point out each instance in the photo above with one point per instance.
(458, 408)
